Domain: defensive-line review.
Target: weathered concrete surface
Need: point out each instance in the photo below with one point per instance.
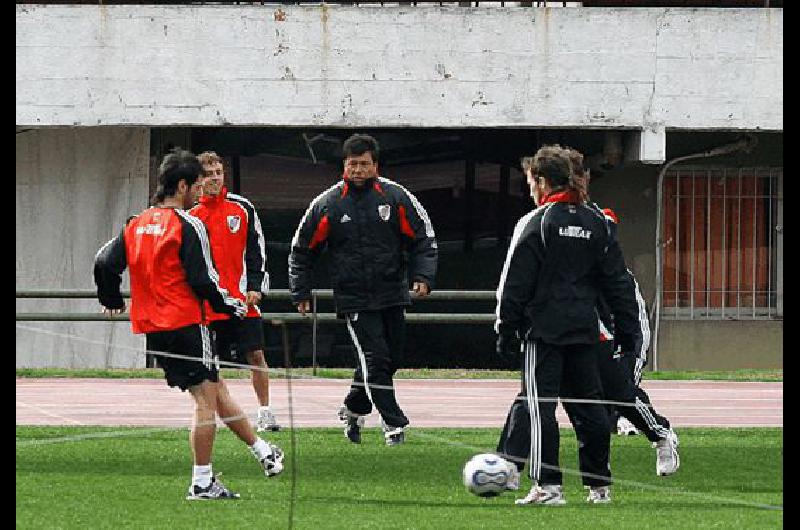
(424, 67)
(720, 345)
(74, 190)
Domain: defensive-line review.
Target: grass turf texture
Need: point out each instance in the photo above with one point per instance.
(140, 480)
(422, 373)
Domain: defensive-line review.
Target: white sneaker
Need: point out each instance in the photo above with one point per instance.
(599, 495)
(273, 462)
(266, 420)
(625, 427)
(667, 459)
(512, 483)
(550, 495)
(394, 436)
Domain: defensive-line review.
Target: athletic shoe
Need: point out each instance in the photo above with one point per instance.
(214, 491)
(599, 495)
(625, 427)
(352, 424)
(550, 495)
(266, 421)
(667, 459)
(512, 483)
(394, 435)
(273, 462)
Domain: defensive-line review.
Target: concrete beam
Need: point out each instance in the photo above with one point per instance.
(349, 66)
(648, 146)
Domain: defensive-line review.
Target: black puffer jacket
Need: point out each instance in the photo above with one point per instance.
(373, 234)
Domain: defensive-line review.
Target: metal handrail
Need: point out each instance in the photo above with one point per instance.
(278, 318)
(323, 318)
(274, 294)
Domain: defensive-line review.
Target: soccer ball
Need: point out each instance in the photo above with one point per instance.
(486, 475)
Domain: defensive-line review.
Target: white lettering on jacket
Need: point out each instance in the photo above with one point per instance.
(574, 231)
(150, 229)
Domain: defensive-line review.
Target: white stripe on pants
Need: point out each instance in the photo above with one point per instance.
(208, 351)
(361, 358)
(535, 468)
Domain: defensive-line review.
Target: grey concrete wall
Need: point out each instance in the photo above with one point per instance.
(720, 345)
(388, 66)
(631, 193)
(74, 190)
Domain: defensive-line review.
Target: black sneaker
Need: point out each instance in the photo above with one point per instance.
(352, 424)
(215, 490)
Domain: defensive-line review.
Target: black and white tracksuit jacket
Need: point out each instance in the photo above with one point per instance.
(563, 259)
(373, 234)
(641, 339)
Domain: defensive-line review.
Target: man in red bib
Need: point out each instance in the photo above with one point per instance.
(168, 255)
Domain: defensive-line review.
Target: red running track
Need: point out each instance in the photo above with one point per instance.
(427, 402)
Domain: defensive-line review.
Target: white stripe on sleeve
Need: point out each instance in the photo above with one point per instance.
(417, 206)
(318, 198)
(262, 247)
(516, 235)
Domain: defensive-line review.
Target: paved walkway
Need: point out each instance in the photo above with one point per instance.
(427, 402)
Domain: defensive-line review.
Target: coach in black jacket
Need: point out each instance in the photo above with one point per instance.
(561, 259)
(371, 227)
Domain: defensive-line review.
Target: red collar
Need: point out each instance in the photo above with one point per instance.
(375, 185)
(213, 200)
(562, 196)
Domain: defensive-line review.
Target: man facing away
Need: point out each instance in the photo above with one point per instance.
(368, 225)
(171, 271)
(237, 246)
(619, 371)
(560, 259)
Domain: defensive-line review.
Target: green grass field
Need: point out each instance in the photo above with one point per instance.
(138, 478)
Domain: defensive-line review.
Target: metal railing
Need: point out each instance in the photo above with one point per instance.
(721, 238)
(280, 319)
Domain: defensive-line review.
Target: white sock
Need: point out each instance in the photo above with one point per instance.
(260, 449)
(201, 475)
(263, 407)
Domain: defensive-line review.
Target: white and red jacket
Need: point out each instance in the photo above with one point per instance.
(237, 246)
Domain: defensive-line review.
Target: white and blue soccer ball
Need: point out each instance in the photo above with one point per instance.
(486, 475)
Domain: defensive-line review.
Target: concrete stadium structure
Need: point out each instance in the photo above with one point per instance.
(103, 90)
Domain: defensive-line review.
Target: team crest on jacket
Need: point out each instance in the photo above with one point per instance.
(234, 222)
(384, 211)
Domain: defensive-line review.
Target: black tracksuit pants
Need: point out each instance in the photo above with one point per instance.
(618, 378)
(531, 430)
(379, 339)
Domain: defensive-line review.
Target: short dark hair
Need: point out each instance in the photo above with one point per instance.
(358, 144)
(553, 163)
(176, 166)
